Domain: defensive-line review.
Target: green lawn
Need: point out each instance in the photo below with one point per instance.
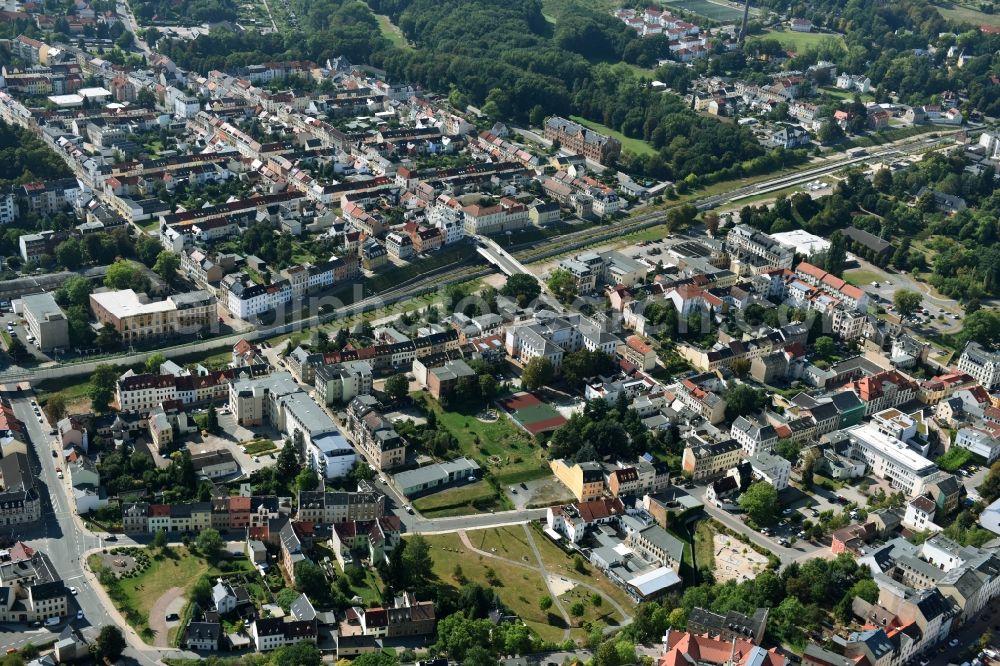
(799, 41)
(637, 146)
(520, 588)
(521, 459)
(704, 545)
(260, 446)
(962, 14)
(510, 542)
(862, 278)
(391, 32)
(135, 596)
(458, 501)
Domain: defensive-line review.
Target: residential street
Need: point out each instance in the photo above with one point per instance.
(63, 537)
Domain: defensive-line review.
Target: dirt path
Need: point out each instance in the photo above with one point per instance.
(158, 613)
(626, 617)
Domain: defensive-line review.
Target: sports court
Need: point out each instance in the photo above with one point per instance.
(531, 412)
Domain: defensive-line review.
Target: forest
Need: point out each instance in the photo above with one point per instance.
(24, 158)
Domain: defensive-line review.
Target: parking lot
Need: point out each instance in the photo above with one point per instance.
(231, 438)
(16, 329)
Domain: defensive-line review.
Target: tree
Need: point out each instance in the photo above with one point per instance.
(760, 501)
(308, 576)
(297, 654)
(523, 288)
(307, 479)
(577, 609)
(285, 598)
(75, 291)
(487, 387)
(836, 255)
(538, 372)
(375, 659)
(69, 253)
(562, 284)
(417, 560)
(743, 399)
(906, 301)
(287, 467)
(102, 387)
(824, 347)
(147, 250)
(55, 408)
(788, 449)
(166, 266)
(580, 365)
(125, 275)
(212, 420)
(982, 326)
(110, 642)
(108, 337)
(397, 387)
(990, 487)
(154, 362)
(882, 180)
(160, 539)
(545, 602)
(17, 350)
(711, 219)
(209, 543)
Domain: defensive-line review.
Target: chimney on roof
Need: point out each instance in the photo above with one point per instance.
(666, 641)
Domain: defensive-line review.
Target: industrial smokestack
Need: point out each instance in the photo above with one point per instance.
(743, 27)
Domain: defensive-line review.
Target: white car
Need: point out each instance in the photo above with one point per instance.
(79, 615)
(73, 591)
(59, 474)
(953, 642)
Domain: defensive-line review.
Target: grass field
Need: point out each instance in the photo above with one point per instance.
(521, 459)
(637, 146)
(862, 278)
(704, 545)
(799, 41)
(391, 32)
(716, 11)
(260, 446)
(962, 14)
(520, 589)
(180, 568)
(458, 501)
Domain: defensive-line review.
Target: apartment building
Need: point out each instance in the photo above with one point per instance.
(339, 383)
(374, 434)
(46, 321)
(889, 458)
(585, 480)
(328, 508)
(19, 499)
(136, 317)
(272, 633)
(505, 215)
(982, 364)
(703, 461)
(574, 138)
(143, 393)
(754, 252)
(405, 617)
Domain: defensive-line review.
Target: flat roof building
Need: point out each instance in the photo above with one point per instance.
(46, 321)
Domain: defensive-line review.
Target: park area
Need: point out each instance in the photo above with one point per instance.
(503, 559)
(142, 583)
(497, 444)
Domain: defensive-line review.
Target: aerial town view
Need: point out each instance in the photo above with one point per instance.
(476, 333)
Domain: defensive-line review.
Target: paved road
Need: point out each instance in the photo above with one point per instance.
(63, 537)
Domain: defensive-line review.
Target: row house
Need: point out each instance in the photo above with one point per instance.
(339, 507)
(224, 514)
(142, 393)
(373, 539)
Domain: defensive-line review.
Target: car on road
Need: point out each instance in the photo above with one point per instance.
(786, 512)
(55, 454)
(79, 615)
(52, 622)
(953, 642)
(814, 513)
(59, 474)
(924, 662)
(74, 591)
(513, 490)
(408, 509)
(524, 485)
(111, 537)
(171, 617)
